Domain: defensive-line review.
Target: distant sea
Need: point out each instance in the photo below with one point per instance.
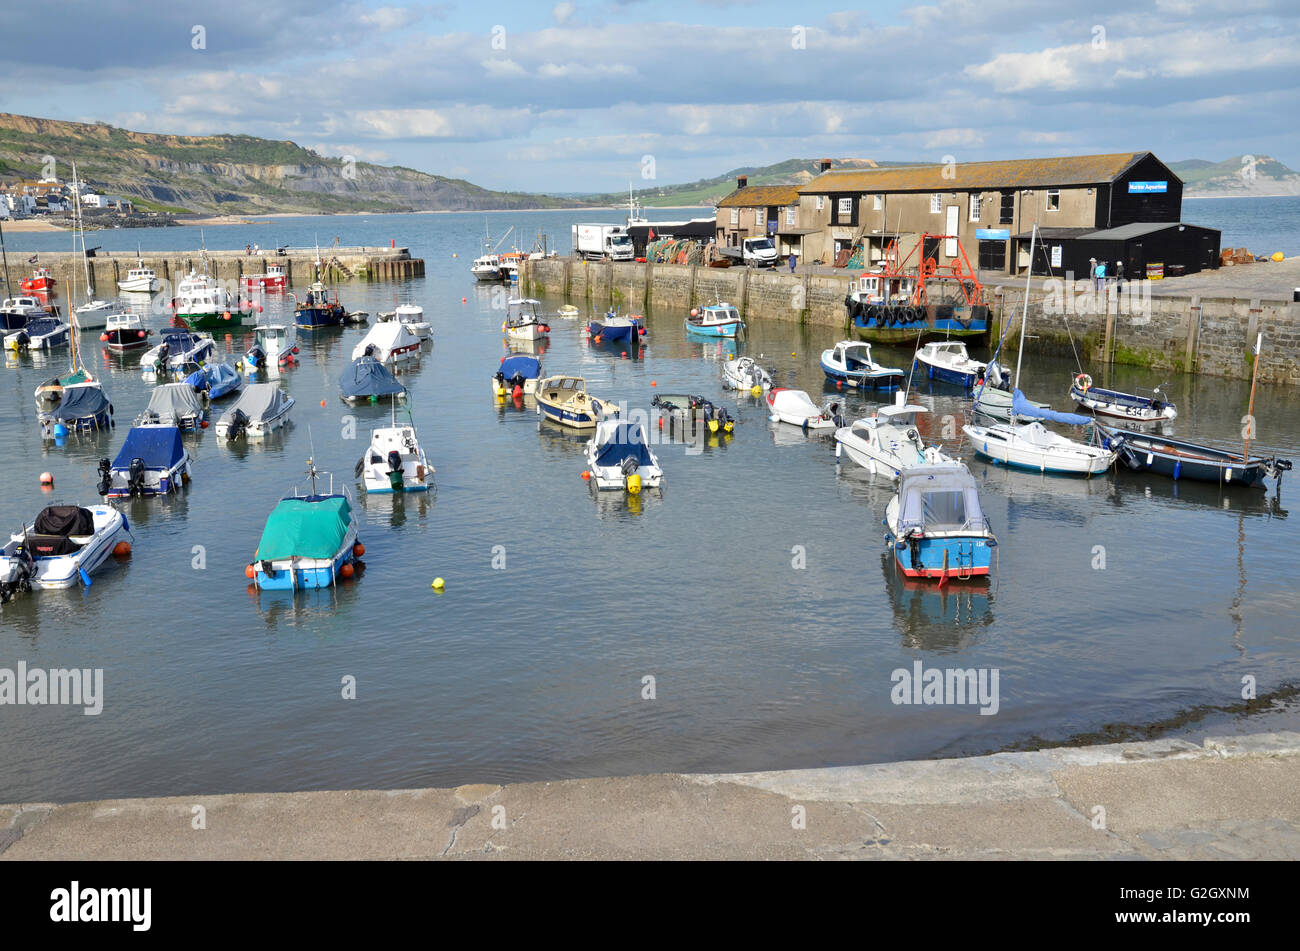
(1263, 225)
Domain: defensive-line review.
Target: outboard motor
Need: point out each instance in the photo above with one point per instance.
(105, 476)
(370, 350)
(20, 575)
(238, 425)
(395, 473)
(629, 465)
(135, 477)
(256, 356)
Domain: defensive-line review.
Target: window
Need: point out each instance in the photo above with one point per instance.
(735, 217)
(877, 202)
(821, 202)
(789, 216)
(1007, 213)
(759, 219)
(936, 204)
(976, 206)
(844, 208)
(1053, 199)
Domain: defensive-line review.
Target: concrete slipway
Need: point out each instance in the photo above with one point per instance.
(1231, 798)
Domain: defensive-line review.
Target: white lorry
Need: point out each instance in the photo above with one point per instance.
(610, 242)
(758, 252)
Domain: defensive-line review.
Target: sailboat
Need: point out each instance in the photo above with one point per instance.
(93, 314)
(1031, 445)
(75, 402)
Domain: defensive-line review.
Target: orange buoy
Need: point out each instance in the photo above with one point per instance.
(226, 315)
(653, 383)
(347, 571)
(203, 424)
(585, 474)
(518, 391)
(597, 338)
(250, 571)
(103, 338)
(47, 479)
(623, 354)
(322, 402)
(358, 550)
(463, 299)
(122, 548)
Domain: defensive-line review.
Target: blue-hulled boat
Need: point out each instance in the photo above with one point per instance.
(1177, 459)
(936, 526)
(851, 362)
(715, 320)
(316, 310)
(309, 541)
(612, 328)
(216, 379)
(152, 461)
(948, 362)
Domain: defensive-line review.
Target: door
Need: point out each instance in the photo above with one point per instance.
(950, 246)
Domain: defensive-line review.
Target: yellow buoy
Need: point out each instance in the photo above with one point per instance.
(634, 483)
(730, 426)
(756, 390)
(1279, 256)
(713, 425)
(439, 584)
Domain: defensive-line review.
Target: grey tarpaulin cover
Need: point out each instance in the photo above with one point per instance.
(259, 401)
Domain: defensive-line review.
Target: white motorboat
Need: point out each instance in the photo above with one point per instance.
(619, 457)
(395, 461)
(40, 333)
(260, 410)
(152, 461)
(947, 360)
(272, 348)
(567, 311)
(140, 280)
(517, 374)
(1130, 407)
(15, 312)
(889, 440)
(850, 361)
(413, 316)
(797, 408)
(1031, 445)
(179, 351)
(524, 320)
(65, 545)
(744, 373)
(390, 342)
(487, 267)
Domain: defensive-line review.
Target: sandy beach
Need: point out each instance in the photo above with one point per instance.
(29, 225)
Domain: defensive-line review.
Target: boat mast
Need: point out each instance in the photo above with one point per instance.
(5, 254)
(74, 354)
(1250, 410)
(1024, 319)
(81, 227)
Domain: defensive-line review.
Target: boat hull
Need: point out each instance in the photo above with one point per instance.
(315, 318)
(1182, 460)
(943, 557)
(945, 374)
(64, 571)
(1017, 454)
(729, 329)
(1121, 406)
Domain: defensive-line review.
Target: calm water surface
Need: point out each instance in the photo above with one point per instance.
(535, 671)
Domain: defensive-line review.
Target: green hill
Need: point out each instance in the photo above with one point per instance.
(1244, 175)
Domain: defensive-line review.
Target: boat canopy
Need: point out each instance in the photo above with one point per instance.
(312, 527)
(521, 363)
(82, 402)
(366, 376)
(258, 401)
(620, 441)
(1023, 408)
(938, 499)
(159, 446)
(213, 376)
(174, 400)
(64, 520)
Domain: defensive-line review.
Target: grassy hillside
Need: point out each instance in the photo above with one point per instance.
(1208, 179)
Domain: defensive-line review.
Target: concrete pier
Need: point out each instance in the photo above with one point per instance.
(106, 268)
(1229, 798)
(1207, 331)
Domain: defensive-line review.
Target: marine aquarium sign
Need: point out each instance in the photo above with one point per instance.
(992, 234)
(1147, 187)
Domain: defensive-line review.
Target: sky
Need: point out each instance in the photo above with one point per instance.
(587, 96)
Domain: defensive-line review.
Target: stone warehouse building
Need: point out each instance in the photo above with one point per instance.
(1122, 208)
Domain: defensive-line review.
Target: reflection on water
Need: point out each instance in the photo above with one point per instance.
(941, 618)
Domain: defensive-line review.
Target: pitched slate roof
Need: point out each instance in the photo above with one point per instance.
(968, 176)
(760, 196)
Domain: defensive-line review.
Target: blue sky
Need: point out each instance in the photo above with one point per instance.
(573, 96)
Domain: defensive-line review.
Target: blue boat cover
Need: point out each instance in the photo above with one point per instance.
(1026, 410)
(627, 439)
(82, 402)
(219, 378)
(159, 446)
(527, 367)
(366, 376)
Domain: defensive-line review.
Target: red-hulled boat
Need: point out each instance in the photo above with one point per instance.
(273, 280)
(41, 280)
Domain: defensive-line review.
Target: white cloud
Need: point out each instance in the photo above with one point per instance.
(563, 12)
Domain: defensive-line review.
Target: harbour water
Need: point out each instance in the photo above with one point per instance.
(755, 590)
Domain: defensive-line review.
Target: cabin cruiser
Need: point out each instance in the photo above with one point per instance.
(523, 320)
(936, 527)
(124, 332)
(178, 352)
(715, 320)
(65, 545)
(517, 375)
(565, 400)
(487, 267)
(152, 461)
(141, 280)
(203, 304)
(15, 312)
(619, 457)
(395, 462)
(947, 360)
(40, 333)
(744, 373)
(850, 362)
(797, 408)
(889, 440)
(389, 342)
(271, 347)
(261, 409)
(413, 316)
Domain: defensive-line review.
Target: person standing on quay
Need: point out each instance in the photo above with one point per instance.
(792, 262)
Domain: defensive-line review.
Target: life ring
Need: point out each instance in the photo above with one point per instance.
(1083, 382)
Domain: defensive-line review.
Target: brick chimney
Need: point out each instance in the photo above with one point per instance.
(742, 181)
(825, 165)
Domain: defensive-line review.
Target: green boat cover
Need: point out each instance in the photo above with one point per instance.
(302, 528)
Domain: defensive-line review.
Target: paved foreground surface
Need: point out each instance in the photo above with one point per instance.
(1233, 798)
